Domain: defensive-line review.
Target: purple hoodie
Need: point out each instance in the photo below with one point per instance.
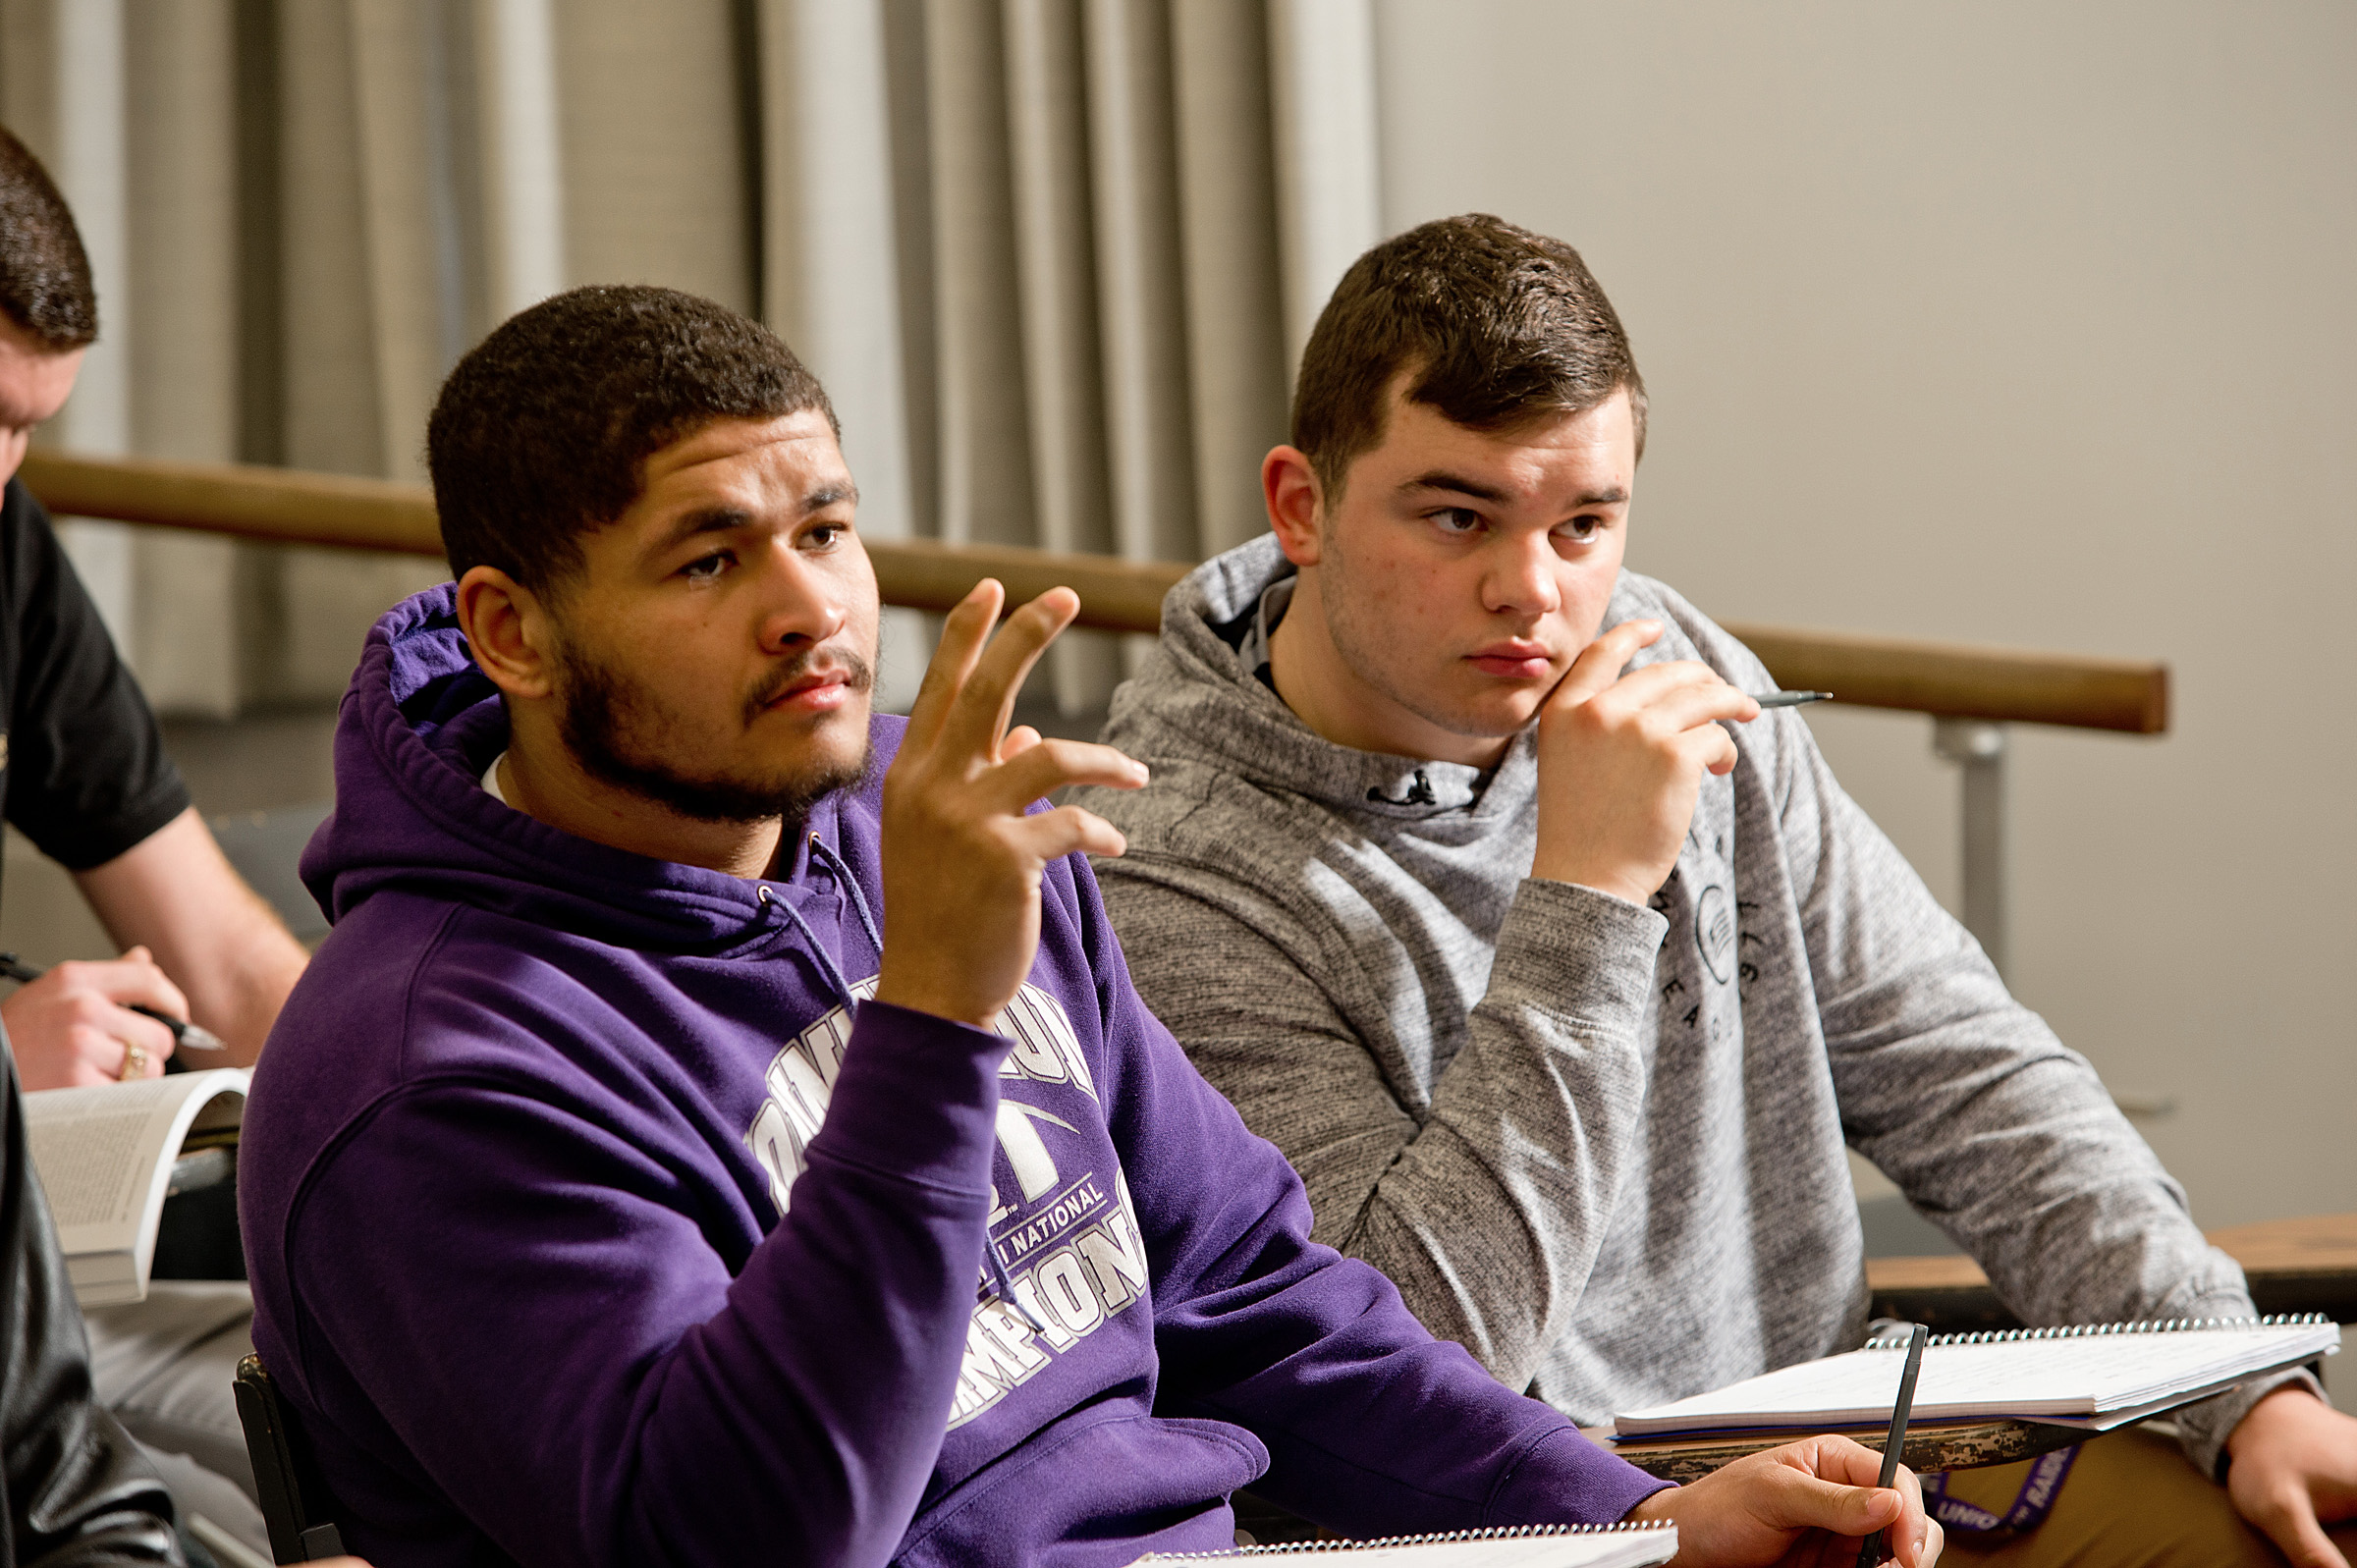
(593, 1219)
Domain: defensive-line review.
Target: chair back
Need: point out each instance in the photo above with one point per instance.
(297, 1505)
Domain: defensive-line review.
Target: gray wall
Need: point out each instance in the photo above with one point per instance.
(2014, 323)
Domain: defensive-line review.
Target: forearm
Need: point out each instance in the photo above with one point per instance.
(844, 1337)
(1488, 1210)
(1371, 1424)
(1490, 1217)
(1990, 1126)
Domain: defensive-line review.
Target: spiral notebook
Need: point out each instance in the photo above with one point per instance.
(2095, 1376)
(1522, 1546)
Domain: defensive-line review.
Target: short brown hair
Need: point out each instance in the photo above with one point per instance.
(44, 273)
(1494, 326)
(542, 432)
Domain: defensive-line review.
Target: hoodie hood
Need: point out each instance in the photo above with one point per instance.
(418, 726)
(1196, 701)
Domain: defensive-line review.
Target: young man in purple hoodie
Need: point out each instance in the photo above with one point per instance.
(720, 1128)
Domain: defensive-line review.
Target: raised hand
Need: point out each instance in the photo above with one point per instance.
(962, 861)
(1622, 759)
(1804, 1505)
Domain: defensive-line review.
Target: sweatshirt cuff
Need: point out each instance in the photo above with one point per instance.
(2203, 1429)
(1565, 1478)
(1576, 951)
(917, 1098)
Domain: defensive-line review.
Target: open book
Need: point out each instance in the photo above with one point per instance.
(1525, 1547)
(109, 1155)
(2095, 1376)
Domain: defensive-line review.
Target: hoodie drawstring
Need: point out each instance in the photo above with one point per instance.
(826, 960)
(1000, 1285)
(850, 884)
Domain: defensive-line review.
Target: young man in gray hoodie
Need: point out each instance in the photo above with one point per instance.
(1563, 974)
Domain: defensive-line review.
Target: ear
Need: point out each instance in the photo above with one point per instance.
(1290, 486)
(508, 630)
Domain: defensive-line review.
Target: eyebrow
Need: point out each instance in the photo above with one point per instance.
(726, 519)
(1459, 484)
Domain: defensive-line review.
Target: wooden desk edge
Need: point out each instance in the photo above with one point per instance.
(1947, 1445)
(2312, 1246)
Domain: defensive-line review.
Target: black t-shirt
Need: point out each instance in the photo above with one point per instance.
(81, 764)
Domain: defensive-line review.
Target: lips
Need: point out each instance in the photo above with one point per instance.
(819, 690)
(1513, 661)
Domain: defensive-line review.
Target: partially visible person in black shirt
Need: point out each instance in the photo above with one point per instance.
(81, 765)
(84, 776)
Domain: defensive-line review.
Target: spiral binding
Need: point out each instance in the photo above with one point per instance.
(1443, 1538)
(2092, 1330)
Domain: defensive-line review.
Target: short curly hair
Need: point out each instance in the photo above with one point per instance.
(1495, 327)
(45, 285)
(541, 434)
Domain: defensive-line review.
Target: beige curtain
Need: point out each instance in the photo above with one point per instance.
(1052, 257)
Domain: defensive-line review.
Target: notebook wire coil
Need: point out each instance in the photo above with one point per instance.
(1438, 1538)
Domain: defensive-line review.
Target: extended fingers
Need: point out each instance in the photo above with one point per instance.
(1051, 765)
(1053, 835)
(983, 707)
(964, 633)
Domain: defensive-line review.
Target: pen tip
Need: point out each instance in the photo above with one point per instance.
(198, 1037)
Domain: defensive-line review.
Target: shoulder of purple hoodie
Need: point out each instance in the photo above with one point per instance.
(593, 1216)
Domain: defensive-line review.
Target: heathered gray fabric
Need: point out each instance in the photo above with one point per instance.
(1600, 1145)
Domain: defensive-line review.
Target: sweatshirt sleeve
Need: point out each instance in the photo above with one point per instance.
(1488, 1212)
(580, 1375)
(1996, 1133)
(1371, 1424)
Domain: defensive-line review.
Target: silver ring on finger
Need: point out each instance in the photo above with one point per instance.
(135, 1062)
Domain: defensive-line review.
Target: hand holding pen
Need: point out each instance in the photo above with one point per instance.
(95, 1022)
(1877, 1546)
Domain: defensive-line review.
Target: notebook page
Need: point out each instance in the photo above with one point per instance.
(2076, 1375)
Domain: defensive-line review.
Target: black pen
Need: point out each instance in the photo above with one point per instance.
(1875, 1547)
(1789, 699)
(194, 1035)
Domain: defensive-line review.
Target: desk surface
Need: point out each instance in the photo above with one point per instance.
(2303, 1264)
(1944, 1446)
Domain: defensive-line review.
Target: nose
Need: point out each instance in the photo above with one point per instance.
(1520, 579)
(802, 605)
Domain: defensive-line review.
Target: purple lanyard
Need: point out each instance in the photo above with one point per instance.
(2030, 1504)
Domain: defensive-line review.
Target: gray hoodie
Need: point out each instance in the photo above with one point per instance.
(1601, 1144)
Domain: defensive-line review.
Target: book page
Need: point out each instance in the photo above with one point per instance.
(104, 1157)
(88, 1166)
(87, 1143)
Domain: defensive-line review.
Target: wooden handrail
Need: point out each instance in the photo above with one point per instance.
(1956, 680)
(288, 507)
